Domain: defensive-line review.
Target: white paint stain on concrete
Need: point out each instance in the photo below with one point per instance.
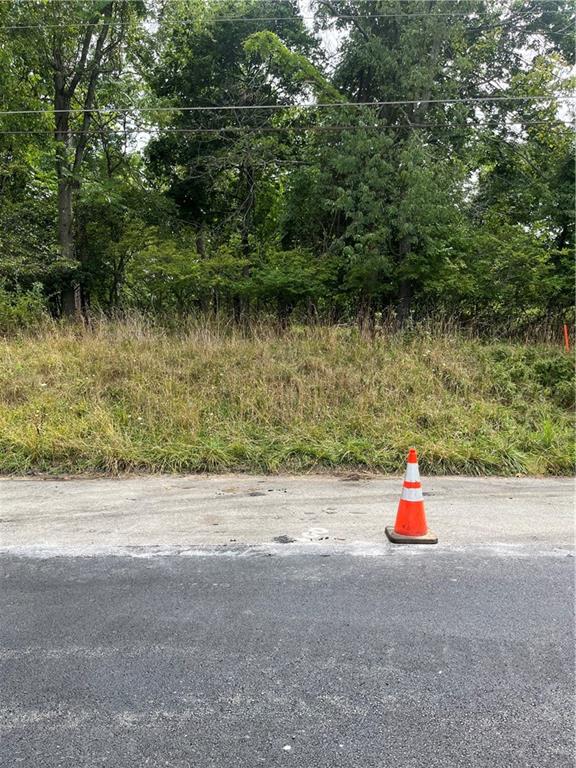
(225, 516)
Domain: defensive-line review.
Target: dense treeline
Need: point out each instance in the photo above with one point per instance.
(337, 162)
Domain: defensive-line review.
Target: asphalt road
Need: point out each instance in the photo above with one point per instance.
(320, 653)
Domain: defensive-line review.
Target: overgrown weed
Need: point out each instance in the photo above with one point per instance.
(137, 395)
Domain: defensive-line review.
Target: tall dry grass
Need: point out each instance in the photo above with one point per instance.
(210, 396)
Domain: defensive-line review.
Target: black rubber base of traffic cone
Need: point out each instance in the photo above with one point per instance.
(398, 538)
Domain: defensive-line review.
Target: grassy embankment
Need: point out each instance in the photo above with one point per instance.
(127, 397)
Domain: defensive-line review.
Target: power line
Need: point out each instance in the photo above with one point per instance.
(279, 128)
(273, 107)
(223, 19)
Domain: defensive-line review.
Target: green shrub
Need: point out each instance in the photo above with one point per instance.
(23, 309)
(556, 375)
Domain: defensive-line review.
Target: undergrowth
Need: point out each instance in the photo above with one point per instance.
(129, 397)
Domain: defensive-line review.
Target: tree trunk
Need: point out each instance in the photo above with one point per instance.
(71, 294)
(247, 190)
(65, 219)
(69, 157)
(71, 301)
(201, 243)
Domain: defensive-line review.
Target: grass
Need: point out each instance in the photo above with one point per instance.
(131, 397)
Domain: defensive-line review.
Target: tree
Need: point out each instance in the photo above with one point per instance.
(435, 171)
(217, 161)
(431, 53)
(70, 59)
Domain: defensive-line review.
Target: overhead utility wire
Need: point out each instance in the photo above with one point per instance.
(251, 107)
(280, 128)
(218, 19)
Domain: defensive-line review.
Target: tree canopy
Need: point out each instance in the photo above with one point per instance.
(334, 160)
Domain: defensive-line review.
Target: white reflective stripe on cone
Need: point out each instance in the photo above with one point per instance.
(412, 494)
(412, 473)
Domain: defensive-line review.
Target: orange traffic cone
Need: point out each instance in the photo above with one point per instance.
(411, 526)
